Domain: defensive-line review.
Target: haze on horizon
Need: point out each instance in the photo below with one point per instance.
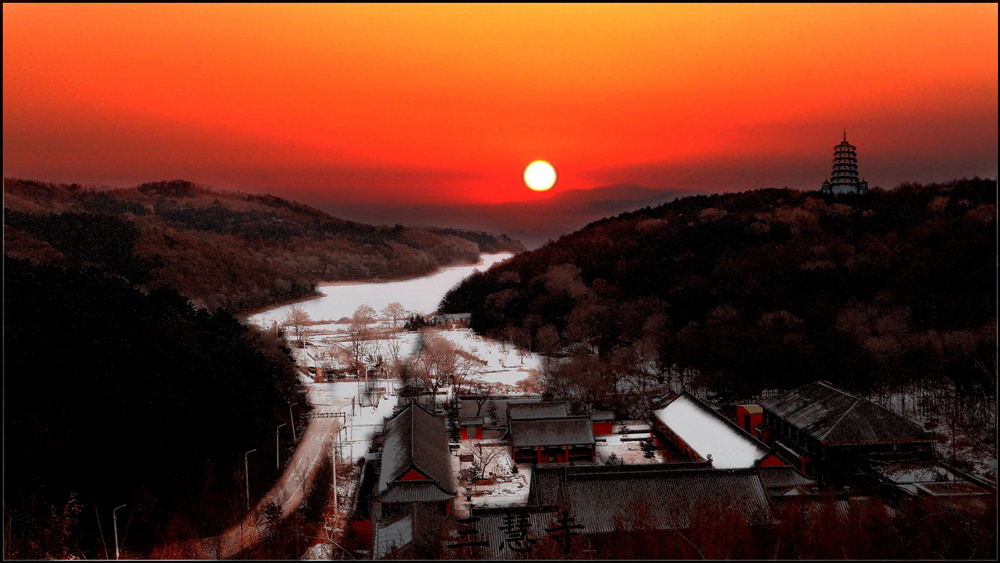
(417, 105)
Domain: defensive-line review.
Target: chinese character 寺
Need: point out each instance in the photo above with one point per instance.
(568, 530)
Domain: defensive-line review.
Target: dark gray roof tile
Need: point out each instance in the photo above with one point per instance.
(833, 416)
(525, 411)
(542, 432)
(416, 440)
(600, 497)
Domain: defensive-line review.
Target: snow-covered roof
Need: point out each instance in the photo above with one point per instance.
(709, 434)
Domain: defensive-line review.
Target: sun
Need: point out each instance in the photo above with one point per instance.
(540, 175)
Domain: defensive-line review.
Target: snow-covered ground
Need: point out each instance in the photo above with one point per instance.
(421, 295)
(503, 363)
(933, 410)
(326, 343)
(623, 443)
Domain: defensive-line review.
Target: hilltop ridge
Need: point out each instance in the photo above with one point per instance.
(756, 290)
(234, 250)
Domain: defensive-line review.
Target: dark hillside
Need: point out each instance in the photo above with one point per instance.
(114, 396)
(221, 249)
(765, 289)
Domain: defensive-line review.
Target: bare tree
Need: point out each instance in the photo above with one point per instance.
(548, 343)
(359, 332)
(481, 392)
(394, 312)
(439, 361)
(298, 319)
(485, 454)
(392, 346)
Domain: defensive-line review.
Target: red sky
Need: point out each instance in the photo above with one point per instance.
(423, 104)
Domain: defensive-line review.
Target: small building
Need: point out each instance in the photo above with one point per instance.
(454, 319)
(471, 428)
(415, 464)
(472, 406)
(555, 439)
(413, 533)
(783, 482)
(826, 432)
(686, 429)
(748, 416)
(603, 422)
(904, 483)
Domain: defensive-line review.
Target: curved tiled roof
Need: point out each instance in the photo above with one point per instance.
(598, 495)
(561, 431)
(833, 416)
(526, 411)
(414, 491)
(416, 440)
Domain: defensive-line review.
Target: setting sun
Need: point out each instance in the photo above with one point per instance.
(540, 176)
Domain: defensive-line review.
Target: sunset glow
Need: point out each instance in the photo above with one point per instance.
(418, 104)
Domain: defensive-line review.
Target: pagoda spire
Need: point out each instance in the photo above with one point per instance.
(845, 133)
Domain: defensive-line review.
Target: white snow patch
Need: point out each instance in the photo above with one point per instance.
(421, 294)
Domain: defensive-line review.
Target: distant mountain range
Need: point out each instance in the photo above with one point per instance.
(533, 222)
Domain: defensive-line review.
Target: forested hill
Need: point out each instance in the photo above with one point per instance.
(220, 249)
(763, 289)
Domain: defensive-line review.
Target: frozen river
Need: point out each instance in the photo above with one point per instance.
(420, 295)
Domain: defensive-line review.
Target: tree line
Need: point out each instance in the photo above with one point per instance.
(115, 396)
(765, 289)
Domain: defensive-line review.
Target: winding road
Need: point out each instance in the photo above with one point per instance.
(287, 493)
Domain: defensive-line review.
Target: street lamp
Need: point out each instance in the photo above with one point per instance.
(277, 442)
(114, 519)
(292, 419)
(246, 468)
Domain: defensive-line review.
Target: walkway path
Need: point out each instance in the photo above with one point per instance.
(287, 493)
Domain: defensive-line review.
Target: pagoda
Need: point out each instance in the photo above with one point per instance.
(844, 178)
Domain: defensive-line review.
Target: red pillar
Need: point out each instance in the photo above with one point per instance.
(539, 454)
(566, 449)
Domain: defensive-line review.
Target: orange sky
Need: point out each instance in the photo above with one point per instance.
(412, 104)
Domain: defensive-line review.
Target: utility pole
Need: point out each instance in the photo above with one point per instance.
(114, 519)
(336, 503)
(246, 469)
(277, 446)
(292, 420)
